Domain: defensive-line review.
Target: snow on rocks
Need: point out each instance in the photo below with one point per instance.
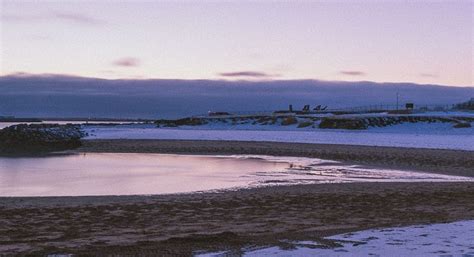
(350, 121)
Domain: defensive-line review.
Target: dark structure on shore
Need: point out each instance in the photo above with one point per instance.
(469, 105)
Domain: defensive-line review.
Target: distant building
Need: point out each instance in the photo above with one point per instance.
(409, 106)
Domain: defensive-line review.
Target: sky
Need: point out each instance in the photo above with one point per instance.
(425, 42)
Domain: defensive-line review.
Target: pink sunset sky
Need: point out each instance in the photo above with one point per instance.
(383, 41)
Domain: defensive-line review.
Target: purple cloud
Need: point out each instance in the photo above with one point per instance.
(254, 74)
(352, 73)
(71, 17)
(127, 62)
(38, 37)
(429, 75)
(77, 18)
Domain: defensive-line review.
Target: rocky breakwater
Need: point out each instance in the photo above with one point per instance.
(283, 120)
(181, 122)
(343, 123)
(352, 122)
(363, 122)
(39, 138)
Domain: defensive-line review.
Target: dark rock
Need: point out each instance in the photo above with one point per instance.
(181, 122)
(264, 120)
(405, 111)
(39, 138)
(462, 125)
(342, 123)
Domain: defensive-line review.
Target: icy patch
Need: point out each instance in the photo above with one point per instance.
(423, 128)
(450, 239)
(303, 170)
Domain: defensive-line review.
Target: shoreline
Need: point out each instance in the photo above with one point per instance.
(448, 162)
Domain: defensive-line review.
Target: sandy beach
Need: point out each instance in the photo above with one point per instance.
(178, 225)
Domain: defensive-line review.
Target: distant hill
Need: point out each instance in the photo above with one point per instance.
(67, 96)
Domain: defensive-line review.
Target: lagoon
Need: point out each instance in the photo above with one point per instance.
(82, 174)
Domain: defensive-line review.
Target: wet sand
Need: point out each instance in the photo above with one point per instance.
(181, 224)
(450, 162)
(178, 225)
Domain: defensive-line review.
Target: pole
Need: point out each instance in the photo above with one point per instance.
(398, 94)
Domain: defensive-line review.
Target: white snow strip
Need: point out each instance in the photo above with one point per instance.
(448, 114)
(449, 239)
(424, 135)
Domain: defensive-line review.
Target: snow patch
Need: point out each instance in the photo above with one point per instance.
(416, 135)
(449, 239)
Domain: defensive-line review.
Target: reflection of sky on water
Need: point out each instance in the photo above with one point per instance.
(132, 173)
(8, 124)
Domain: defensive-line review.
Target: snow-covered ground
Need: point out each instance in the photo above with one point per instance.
(447, 113)
(417, 135)
(449, 239)
(469, 114)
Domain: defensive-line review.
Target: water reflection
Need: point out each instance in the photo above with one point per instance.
(63, 122)
(117, 174)
(129, 173)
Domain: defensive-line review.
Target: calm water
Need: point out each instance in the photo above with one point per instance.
(128, 173)
(7, 124)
